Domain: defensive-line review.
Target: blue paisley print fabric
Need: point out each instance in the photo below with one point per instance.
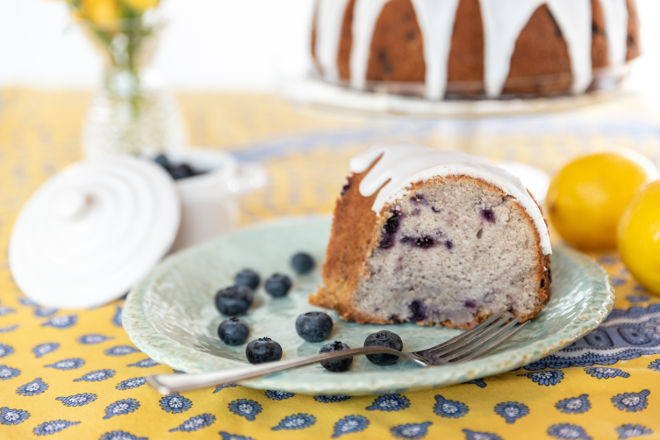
(80, 382)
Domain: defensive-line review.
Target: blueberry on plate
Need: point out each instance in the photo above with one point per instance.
(384, 338)
(234, 300)
(247, 277)
(181, 171)
(313, 326)
(278, 285)
(263, 350)
(302, 263)
(233, 331)
(337, 365)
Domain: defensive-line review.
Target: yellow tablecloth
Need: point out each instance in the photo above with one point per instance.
(75, 374)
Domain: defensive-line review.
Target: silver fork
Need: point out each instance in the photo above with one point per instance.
(469, 345)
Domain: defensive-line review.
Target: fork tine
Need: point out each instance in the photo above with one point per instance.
(495, 343)
(483, 345)
(478, 342)
(469, 334)
(466, 337)
(477, 339)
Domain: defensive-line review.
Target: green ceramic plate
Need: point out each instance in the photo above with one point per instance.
(170, 315)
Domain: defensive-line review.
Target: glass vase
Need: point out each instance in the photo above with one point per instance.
(131, 113)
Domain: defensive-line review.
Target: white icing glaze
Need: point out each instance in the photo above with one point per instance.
(402, 165)
(616, 30)
(328, 31)
(436, 21)
(574, 20)
(365, 15)
(503, 20)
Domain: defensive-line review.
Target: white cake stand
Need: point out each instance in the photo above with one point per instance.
(316, 93)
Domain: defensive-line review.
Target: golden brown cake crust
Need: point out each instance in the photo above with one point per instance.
(397, 37)
(465, 69)
(540, 63)
(353, 234)
(345, 43)
(356, 231)
(632, 40)
(599, 56)
(315, 60)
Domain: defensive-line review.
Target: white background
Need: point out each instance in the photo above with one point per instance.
(207, 44)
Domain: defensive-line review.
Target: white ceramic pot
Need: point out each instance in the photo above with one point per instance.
(209, 201)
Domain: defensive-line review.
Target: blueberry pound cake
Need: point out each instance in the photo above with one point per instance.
(436, 238)
(462, 49)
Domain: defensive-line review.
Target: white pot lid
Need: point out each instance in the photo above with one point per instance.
(93, 230)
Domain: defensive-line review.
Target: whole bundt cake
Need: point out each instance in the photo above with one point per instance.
(432, 237)
(465, 48)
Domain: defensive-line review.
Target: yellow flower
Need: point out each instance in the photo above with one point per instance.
(141, 5)
(103, 12)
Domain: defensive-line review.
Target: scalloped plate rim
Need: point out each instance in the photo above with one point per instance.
(142, 333)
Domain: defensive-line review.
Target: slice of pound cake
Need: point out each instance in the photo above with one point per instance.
(432, 237)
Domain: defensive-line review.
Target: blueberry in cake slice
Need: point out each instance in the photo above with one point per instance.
(436, 238)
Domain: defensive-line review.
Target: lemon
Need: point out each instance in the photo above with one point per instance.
(638, 236)
(587, 196)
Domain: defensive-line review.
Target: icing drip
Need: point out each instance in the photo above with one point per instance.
(574, 20)
(616, 28)
(365, 15)
(402, 165)
(436, 20)
(503, 20)
(328, 30)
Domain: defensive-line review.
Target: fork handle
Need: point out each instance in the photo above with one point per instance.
(172, 383)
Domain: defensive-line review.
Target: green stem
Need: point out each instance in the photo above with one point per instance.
(133, 34)
(123, 55)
